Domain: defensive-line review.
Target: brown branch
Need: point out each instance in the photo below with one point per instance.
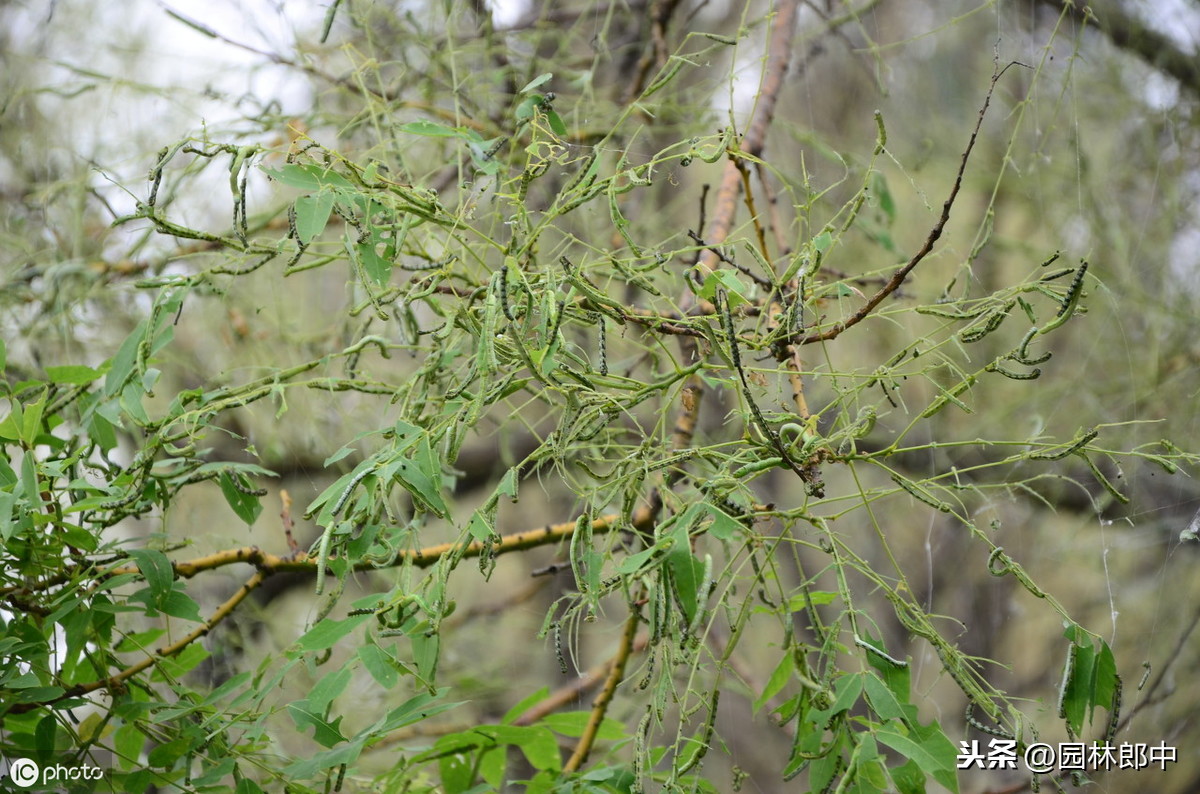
(565, 696)
(934, 235)
(779, 50)
(268, 563)
(600, 705)
(656, 53)
(118, 680)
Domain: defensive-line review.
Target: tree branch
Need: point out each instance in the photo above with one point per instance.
(934, 234)
(1129, 33)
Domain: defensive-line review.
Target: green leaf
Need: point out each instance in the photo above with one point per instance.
(426, 649)
(78, 537)
(245, 505)
(102, 432)
(327, 632)
(324, 732)
(31, 420)
(735, 290)
(10, 426)
(309, 177)
(483, 155)
(431, 128)
(170, 668)
(478, 527)
(932, 751)
(139, 641)
(128, 741)
(31, 487)
(121, 364)
(777, 681)
(822, 241)
(529, 107)
(157, 570)
(909, 778)
(417, 708)
(382, 666)
(556, 123)
(1105, 681)
(801, 601)
(634, 562)
(574, 723)
(1077, 701)
(849, 689)
(167, 753)
(686, 572)
(329, 759)
(326, 690)
(74, 374)
(7, 502)
(537, 743)
(247, 786)
(524, 705)
(541, 79)
(312, 214)
(882, 701)
(45, 733)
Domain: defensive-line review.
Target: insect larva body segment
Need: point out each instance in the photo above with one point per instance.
(603, 346)
(558, 318)
(639, 750)
(1072, 296)
(757, 466)
(129, 497)
(951, 314)
(920, 494)
(706, 733)
(660, 612)
(350, 486)
(1068, 302)
(556, 629)
(1114, 714)
(727, 321)
(1021, 354)
(1068, 674)
(998, 556)
(1075, 446)
(323, 559)
(1104, 481)
(241, 486)
(156, 175)
(706, 583)
(645, 682)
(582, 524)
(950, 396)
(504, 293)
(992, 322)
(995, 366)
(1057, 274)
(878, 653)
(969, 718)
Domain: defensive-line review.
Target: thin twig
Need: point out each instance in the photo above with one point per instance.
(934, 234)
(118, 680)
(600, 705)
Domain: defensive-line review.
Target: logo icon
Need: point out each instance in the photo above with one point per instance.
(24, 773)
